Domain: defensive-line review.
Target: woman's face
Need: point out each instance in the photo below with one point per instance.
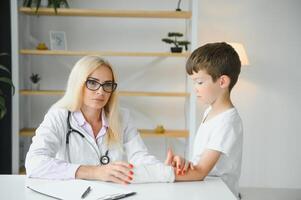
(94, 97)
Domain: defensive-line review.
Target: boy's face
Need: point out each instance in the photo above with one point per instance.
(207, 91)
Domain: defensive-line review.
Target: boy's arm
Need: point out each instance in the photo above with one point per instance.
(202, 169)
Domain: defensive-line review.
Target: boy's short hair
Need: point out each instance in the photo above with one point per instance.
(217, 59)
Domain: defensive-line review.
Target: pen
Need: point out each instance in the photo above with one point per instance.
(86, 192)
(120, 196)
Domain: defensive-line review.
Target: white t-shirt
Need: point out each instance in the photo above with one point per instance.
(223, 133)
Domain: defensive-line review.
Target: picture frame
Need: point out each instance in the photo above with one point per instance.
(58, 40)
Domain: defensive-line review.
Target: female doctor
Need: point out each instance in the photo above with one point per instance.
(85, 135)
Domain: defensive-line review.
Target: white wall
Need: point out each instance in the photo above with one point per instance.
(268, 92)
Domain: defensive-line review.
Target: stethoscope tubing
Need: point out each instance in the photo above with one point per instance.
(103, 159)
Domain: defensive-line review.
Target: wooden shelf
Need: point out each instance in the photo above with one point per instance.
(167, 133)
(41, 92)
(120, 93)
(29, 132)
(108, 13)
(154, 94)
(101, 53)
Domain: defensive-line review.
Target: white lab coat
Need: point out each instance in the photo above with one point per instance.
(48, 153)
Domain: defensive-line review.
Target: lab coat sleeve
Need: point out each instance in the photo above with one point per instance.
(147, 168)
(40, 160)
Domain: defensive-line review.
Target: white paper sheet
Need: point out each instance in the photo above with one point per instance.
(73, 189)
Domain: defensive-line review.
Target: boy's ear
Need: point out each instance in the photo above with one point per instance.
(224, 81)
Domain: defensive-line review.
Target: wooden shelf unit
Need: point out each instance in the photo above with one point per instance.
(29, 132)
(108, 13)
(120, 93)
(101, 53)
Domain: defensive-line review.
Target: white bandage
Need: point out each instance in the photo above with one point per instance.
(153, 173)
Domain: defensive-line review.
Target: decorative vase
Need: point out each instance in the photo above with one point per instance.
(160, 129)
(35, 86)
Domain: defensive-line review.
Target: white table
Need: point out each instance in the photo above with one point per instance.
(12, 187)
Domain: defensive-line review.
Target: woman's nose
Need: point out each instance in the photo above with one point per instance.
(100, 91)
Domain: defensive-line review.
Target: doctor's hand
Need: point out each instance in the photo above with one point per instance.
(117, 172)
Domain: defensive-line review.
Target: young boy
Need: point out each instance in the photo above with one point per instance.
(217, 148)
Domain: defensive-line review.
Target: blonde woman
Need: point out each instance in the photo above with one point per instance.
(85, 136)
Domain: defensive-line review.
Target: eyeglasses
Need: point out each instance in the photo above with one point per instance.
(107, 86)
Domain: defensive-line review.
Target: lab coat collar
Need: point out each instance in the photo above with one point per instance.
(81, 121)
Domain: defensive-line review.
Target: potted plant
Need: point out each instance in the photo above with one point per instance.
(51, 4)
(35, 78)
(176, 48)
(4, 82)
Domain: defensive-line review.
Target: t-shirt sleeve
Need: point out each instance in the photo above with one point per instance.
(224, 137)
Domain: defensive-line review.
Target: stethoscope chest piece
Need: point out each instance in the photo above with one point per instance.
(104, 160)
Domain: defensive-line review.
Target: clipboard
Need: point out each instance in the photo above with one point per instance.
(73, 189)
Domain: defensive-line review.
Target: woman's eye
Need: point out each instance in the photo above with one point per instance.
(91, 82)
(108, 85)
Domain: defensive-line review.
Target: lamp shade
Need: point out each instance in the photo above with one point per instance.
(239, 48)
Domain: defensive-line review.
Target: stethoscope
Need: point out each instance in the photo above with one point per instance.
(104, 160)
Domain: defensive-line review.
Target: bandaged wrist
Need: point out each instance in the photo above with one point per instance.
(153, 173)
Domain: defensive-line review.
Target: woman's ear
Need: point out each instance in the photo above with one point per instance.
(224, 81)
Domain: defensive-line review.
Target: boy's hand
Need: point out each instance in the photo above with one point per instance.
(180, 164)
(169, 157)
(188, 166)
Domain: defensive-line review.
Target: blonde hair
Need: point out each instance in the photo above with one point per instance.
(73, 97)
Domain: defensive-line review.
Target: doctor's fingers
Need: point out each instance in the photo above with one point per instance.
(118, 180)
(125, 177)
(125, 164)
(126, 170)
(119, 176)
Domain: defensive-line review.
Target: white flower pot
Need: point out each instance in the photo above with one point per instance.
(35, 86)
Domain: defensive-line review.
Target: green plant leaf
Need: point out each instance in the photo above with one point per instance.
(9, 82)
(175, 34)
(4, 68)
(66, 3)
(3, 54)
(56, 5)
(38, 5)
(183, 43)
(2, 107)
(2, 112)
(2, 101)
(167, 40)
